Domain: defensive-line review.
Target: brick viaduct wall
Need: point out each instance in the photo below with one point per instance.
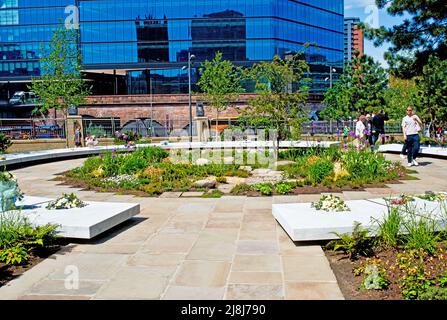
(175, 107)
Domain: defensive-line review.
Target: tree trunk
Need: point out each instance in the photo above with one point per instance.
(217, 124)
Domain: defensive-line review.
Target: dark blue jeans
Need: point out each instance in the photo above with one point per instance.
(413, 145)
(404, 148)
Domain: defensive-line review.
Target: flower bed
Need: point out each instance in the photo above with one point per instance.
(150, 172)
(22, 245)
(406, 260)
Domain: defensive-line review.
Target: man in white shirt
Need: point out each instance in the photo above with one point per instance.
(411, 126)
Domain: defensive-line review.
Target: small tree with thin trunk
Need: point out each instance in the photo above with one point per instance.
(60, 84)
(220, 81)
(282, 92)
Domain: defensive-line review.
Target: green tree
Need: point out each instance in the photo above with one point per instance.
(415, 39)
(277, 100)
(432, 92)
(337, 103)
(400, 94)
(60, 84)
(360, 89)
(220, 81)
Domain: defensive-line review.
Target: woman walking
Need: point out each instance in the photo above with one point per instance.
(360, 130)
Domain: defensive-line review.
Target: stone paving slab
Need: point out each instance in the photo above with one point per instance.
(150, 257)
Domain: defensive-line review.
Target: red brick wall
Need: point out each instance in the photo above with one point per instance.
(175, 107)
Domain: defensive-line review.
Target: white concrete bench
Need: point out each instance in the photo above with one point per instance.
(79, 223)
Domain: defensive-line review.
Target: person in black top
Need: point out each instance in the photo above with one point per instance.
(378, 126)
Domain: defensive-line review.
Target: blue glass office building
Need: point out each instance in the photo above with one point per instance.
(128, 44)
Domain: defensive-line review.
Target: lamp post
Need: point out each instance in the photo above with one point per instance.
(331, 71)
(190, 58)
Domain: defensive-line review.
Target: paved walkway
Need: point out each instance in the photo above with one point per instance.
(228, 248)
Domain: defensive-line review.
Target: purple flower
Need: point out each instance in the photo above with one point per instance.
(113, 156)
(114, 150)
(125, 137)
(345, 146)
(382, 135)
(351, 134)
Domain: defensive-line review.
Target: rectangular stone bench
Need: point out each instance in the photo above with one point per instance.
(304, 223)
(79, 223)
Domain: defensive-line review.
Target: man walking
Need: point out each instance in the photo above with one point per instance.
(411, 126)
(378, 126)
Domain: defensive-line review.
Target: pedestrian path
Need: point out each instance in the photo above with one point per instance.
(228, 248)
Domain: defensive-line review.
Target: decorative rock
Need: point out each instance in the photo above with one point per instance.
(235, 180)
(246, 168)
(202, 162)
(192, 194)
(226, 188)
(261, 172)
(206, 183)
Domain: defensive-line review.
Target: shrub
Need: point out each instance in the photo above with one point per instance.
(5, 142)
(390, 228)
(241, 189)
(415, 281)
(222, 180)
(284, 187)
(151, 154)
(14, 255)
(18, 237)
(355, 244)
(365, 165)
(264, 188)
(132, 164)
(433, 293)
(320, 169)
(420, 231)
(152, 189)
(213, 194)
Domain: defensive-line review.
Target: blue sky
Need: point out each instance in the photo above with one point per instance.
(368, 12)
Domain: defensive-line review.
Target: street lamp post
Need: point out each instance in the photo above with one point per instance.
(190, 58)
(331, 71)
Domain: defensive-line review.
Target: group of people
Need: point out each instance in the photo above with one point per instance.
(90, 141)
(372, 128)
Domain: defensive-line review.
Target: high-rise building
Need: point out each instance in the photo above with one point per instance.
(354, 41)
(127, 45)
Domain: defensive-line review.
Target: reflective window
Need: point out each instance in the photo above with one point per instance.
(155, 33)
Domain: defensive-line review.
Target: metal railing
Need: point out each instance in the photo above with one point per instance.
(337, 127)
(107, 127)
(28, 129)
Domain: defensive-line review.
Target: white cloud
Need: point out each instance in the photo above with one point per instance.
(352, 4)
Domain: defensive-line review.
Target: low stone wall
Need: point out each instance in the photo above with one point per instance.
(35, 145)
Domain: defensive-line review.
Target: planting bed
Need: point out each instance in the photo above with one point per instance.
(151, 172)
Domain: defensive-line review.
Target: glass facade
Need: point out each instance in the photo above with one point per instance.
(150, 39)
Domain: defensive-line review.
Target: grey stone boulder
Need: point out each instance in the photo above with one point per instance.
(206, 183)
